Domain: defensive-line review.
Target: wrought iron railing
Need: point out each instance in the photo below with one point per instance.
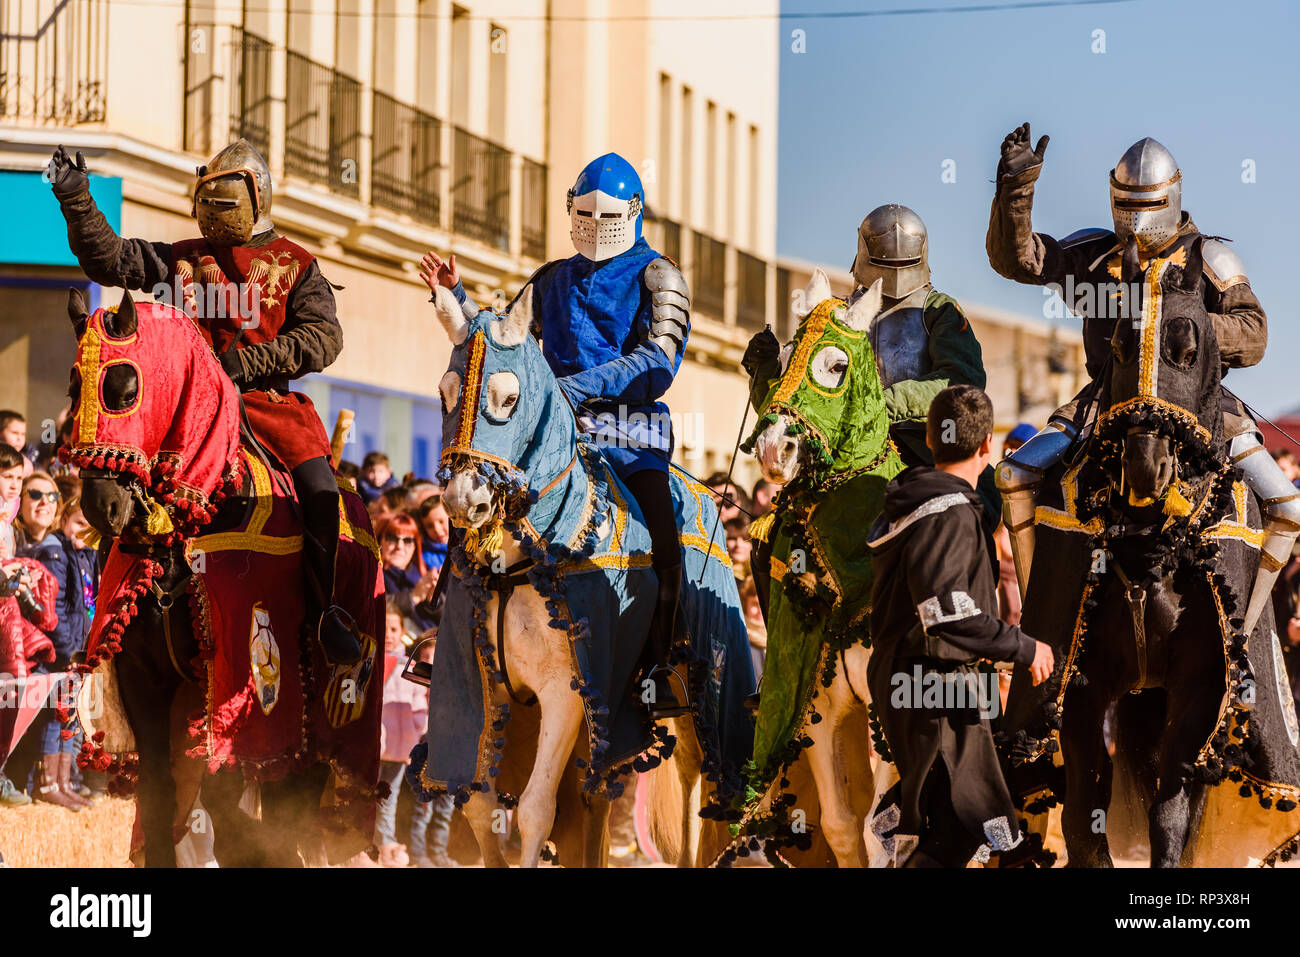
(708, 285)
(533, 227)
(250, 90)
(751, 295)
(322, 130)
(53, 67)
(406, 164)
(481, 189)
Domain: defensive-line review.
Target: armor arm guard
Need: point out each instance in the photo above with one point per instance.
(1240, 325)
(670, 308)
(955, 358)
(107, 258)
(309, 340)
(644, 374)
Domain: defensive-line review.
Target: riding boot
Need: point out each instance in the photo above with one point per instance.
(333, 626)
(47, 787)
(65, 781)
(659, 642)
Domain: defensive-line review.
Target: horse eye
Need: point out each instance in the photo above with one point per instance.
(510, 400)
(121, 387)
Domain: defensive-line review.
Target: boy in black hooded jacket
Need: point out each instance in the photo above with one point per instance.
(933, 618)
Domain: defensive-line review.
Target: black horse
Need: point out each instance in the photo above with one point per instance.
(1142, 567)
(153, 667)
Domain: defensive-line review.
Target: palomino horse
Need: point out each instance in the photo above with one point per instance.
(547, 610)
(1147, 550)
(823, 435)
(157, 440)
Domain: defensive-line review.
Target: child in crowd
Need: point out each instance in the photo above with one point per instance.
(933, 618)
(376, 476)
(435, 527)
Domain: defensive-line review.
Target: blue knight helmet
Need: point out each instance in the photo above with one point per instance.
(605, 208)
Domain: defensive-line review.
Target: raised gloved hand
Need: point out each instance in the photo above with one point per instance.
(232, 365)
(1016, 154)
(67, 178)
(763, 348)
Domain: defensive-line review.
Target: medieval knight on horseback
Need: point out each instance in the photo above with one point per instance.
(921, 338)
(268, 313)
(1085, 268)
(613, 322)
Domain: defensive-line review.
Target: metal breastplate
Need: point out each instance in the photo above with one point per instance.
(900, 341)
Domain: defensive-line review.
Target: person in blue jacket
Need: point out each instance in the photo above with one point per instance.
(613, 322)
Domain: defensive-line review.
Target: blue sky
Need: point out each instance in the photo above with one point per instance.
(875, 106)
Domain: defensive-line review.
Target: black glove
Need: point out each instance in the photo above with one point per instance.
(232, 366)
(66, 177)
(1016, 154)
(763, 348)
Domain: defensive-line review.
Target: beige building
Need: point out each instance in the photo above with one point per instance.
(398, 126)
(394, 127)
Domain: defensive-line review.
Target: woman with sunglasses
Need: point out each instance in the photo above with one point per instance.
(406, 580)
(39, 512)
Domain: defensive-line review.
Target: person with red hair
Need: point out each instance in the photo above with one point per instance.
(406, 581)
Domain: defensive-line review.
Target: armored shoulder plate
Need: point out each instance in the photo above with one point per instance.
(1223, 267)
(670, 306)
(1087, 235)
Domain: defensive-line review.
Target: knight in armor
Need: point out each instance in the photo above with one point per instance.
(922, 341)
(613, 322)
(268, 313)
(1085, 267)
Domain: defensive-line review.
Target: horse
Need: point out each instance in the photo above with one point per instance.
(545, 617)
(1149, 544)
(185, 505)
(823, 436)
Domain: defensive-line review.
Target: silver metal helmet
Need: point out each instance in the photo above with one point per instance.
(232, 195)
(893, 246)
(1146, 195)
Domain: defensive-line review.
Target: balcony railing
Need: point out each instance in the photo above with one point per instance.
(751, 297)
(481, 189)
(708, 285)
(53, 67)
(406, 160)
(533, 227)
(322, 135)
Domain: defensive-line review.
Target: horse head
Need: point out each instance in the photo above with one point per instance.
(1163, 388)
(504, 417)
(155, 421)
(825, 410)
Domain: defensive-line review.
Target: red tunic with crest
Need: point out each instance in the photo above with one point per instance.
(239, 296)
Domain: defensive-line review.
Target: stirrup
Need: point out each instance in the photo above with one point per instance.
(337, 634)
(662, 709)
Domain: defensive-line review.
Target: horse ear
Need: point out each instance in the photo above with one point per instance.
(1193, 267)
(125, 320)
(866, 307)
(512, 328)
(450, 315)
(816, 292)
(77, 310)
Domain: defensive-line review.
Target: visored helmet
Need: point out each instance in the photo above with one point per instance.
(1146, 195)
(605, 208)
(893, 246)
(232, 195)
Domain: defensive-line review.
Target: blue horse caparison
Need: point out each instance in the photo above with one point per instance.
(510, 436)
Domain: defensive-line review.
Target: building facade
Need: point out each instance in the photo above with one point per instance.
(394, 127)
